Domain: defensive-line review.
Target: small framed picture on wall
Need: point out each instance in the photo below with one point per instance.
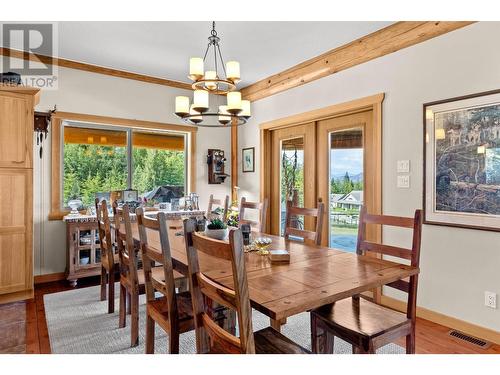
(248, 159)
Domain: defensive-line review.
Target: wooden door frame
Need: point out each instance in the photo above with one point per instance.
(373, 103)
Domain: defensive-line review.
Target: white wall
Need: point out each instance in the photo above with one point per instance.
(96, 94)
(457, 265)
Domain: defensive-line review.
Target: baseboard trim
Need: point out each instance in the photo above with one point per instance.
(16, 296)
(58, 276)
(445, 320)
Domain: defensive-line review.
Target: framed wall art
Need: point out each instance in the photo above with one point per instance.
(248, 159)
(462, 161)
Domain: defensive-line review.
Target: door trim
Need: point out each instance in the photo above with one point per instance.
(373, 103)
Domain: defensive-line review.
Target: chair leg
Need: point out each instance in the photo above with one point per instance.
(123, 302)
(361, 350)
(150, 335)
(322, 341)
(129, 303)
(111, 292)
(134, 319)
(173, 337)
(410, 343)
(103, 283)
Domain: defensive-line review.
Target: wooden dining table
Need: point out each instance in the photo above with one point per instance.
(315, 275)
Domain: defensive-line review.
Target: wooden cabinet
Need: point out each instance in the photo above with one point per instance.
(84, 251)
(16, 192)
(16, 130)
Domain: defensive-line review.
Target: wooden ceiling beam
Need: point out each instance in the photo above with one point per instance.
(92, 68)
(379, 43)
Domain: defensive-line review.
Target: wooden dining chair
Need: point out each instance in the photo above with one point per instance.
(173, 311)
(108, 258)
(132, 280)
(292, 212)
(210, 337)
(259, 225)
(224, 204)
(364, 324)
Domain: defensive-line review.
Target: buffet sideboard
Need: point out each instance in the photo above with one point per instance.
(83, 258)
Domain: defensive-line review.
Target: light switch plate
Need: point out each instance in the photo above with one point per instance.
(403, 166)
(403, 181)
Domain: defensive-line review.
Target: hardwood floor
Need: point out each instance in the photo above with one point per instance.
(23, 327)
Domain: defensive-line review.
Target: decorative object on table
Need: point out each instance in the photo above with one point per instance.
(115, 195)
(74, 201)
(216, 229)
(130, 195)
(263, 243)
(195, 201)
(248, 159)
(41, 126)
(188, 203)
(222, 85)
(462, 161)
(216, 161)
(233, 216)
(148, 202)
(201, 224)
(279, 256)
(105, 195)
(165, 206)
(246, 229)
(175, 204)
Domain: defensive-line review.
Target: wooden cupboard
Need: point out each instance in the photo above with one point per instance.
(16, 192)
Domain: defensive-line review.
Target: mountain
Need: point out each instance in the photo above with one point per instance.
(354, 178)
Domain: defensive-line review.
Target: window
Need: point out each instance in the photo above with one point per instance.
(98, 158)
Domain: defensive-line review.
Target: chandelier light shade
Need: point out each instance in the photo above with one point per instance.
(216, 101)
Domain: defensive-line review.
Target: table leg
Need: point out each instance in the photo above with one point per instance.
(276, 324)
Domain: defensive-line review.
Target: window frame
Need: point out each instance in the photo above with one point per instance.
(62, 119)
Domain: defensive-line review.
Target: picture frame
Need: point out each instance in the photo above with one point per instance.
(130, 195)
(462, 161)
(248, 159)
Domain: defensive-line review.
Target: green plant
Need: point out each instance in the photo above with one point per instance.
(233, 218)
(216, 224)
(75, 191)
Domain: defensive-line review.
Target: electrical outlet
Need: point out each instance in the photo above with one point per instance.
(403, 166)
(490, 299)
(403, 181)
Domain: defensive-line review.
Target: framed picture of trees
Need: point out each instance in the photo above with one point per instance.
(462, 161)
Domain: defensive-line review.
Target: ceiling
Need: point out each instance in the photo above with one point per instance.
(162, 49)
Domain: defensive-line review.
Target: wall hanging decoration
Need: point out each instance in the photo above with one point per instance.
(216, 161)
(248, 159)
(462, 161)
(41, 126)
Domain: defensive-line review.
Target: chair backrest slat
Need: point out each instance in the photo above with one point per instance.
(208, 333)
(412, 254)
(126, 246)
(166, 286)
(394, 251)
(259, 225)
(104, 231)
(316, 213)
(217, 202)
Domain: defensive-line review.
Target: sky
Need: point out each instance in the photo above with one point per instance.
(346, 160)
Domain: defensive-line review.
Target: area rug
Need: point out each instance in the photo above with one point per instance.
(78, 323)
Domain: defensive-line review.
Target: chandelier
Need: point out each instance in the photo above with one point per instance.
(216, 102)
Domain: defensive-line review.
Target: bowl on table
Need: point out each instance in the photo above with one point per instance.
(262, 244)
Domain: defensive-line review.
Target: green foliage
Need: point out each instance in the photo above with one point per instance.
(216, 224)
(89, 169)
(292, 172)
(344, 185)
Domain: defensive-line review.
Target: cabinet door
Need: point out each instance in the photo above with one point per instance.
(16, 221)
(16, 131)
